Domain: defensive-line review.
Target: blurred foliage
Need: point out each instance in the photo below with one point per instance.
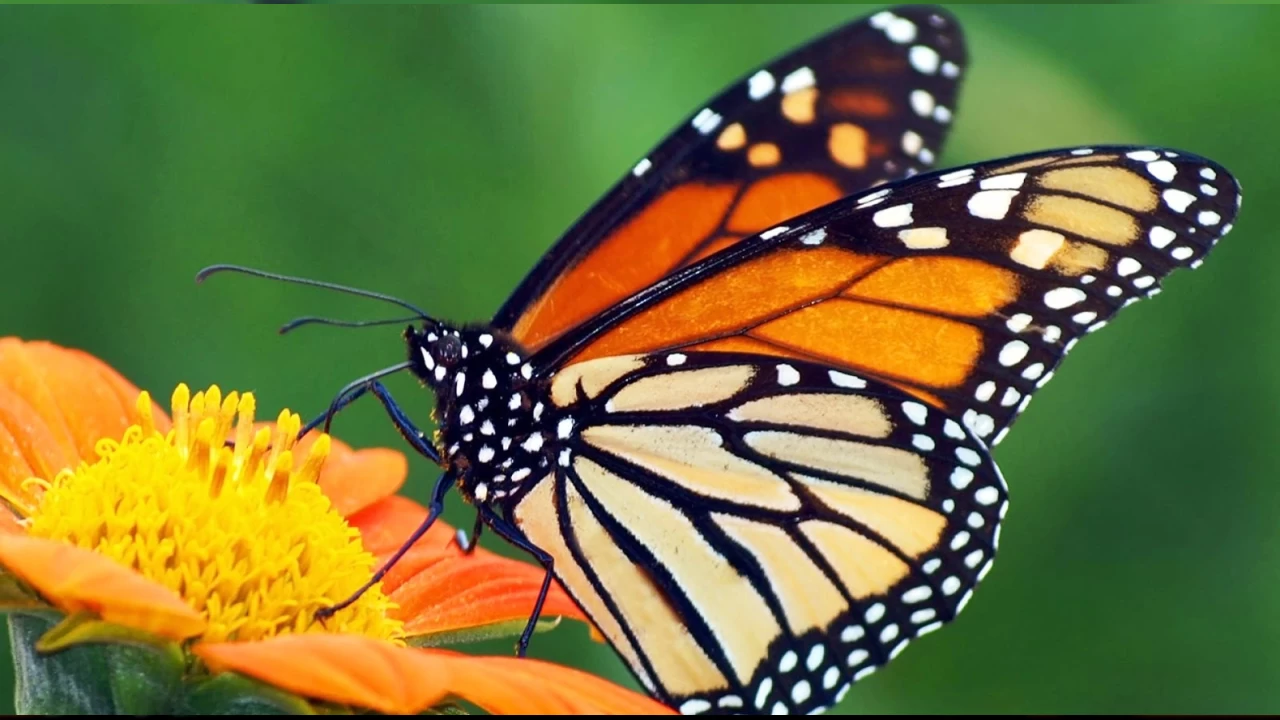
(435, 152)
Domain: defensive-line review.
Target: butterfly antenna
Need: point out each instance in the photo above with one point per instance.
(296, 323)
(214, 269)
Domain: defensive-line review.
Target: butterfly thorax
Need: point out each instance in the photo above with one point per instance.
(489, 409)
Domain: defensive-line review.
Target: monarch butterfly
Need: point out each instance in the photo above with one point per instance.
(743, 409)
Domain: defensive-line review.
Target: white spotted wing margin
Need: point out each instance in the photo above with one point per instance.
(893, 76)
(1082, 233)
(756, 535)
(1052, 244)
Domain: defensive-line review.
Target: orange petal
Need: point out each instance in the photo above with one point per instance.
(9, 522)
(79, 398)
(455, 592)
(385, 525)
(521, 686)
(346, 669)
(75, 579)
(29, 446)
(367, 673)
(356, 479)
(55, 404)
(439, 588)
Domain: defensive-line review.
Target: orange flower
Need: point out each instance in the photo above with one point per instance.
(155, 529)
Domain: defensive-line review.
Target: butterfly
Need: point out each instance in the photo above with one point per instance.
(743, 410)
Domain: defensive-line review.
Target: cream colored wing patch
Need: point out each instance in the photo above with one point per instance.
(758, 534)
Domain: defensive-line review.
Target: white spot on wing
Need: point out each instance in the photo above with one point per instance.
(968, 456)
(991, 204)
(922, 102)
(694, 707)
(760, 85)
(798, 80)
(1013, 352)
(916, 412)
(1059, 298)
(1128, 266)
(1162, 170)
(642, 167)
(987, 495)
(706, 120)
(1161, 236)
(900, 30)
(930, 238)
(564, 428)
(896, 216)
(846, 381)
(1018, 322)
(873, 198)
(1177, 200)
(787, 375)
(814, 238)
(1011, 181)
(923, 58)
(958, 177)
(912, 142)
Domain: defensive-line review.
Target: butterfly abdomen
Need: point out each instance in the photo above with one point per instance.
(489, 406)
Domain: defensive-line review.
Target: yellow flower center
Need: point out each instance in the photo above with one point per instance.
(239, 532)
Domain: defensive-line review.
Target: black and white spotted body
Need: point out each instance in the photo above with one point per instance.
(489, 407)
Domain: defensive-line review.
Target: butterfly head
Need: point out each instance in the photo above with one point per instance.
(489, 406)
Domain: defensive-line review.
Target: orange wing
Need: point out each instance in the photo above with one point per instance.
(963, 288)
(868, 103)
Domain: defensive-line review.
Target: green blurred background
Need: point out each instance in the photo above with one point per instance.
(434, 153)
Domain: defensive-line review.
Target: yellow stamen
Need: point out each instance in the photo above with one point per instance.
(240, 533)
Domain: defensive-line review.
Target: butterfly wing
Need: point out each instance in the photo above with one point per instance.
(757, 534)
(963, 288)
(869, 102)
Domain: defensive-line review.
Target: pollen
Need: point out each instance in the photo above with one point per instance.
(224, 515)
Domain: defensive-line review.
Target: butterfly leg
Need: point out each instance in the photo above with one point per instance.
(469, 545)
(433, 513)
(353, 392)
(512, 535)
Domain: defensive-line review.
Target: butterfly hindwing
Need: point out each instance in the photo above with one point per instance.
(964, 288)
(867, 103)
(757, 534)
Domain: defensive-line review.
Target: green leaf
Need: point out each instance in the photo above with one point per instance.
(510, 628)
(83, 628)
(72, 682)
(145, 679)
(16, 595)
(446, 709)
(234, 694)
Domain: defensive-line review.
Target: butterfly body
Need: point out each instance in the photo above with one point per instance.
(491, 411)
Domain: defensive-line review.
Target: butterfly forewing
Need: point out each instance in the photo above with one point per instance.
(753, 534)
(867, 103)
(964, 288)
